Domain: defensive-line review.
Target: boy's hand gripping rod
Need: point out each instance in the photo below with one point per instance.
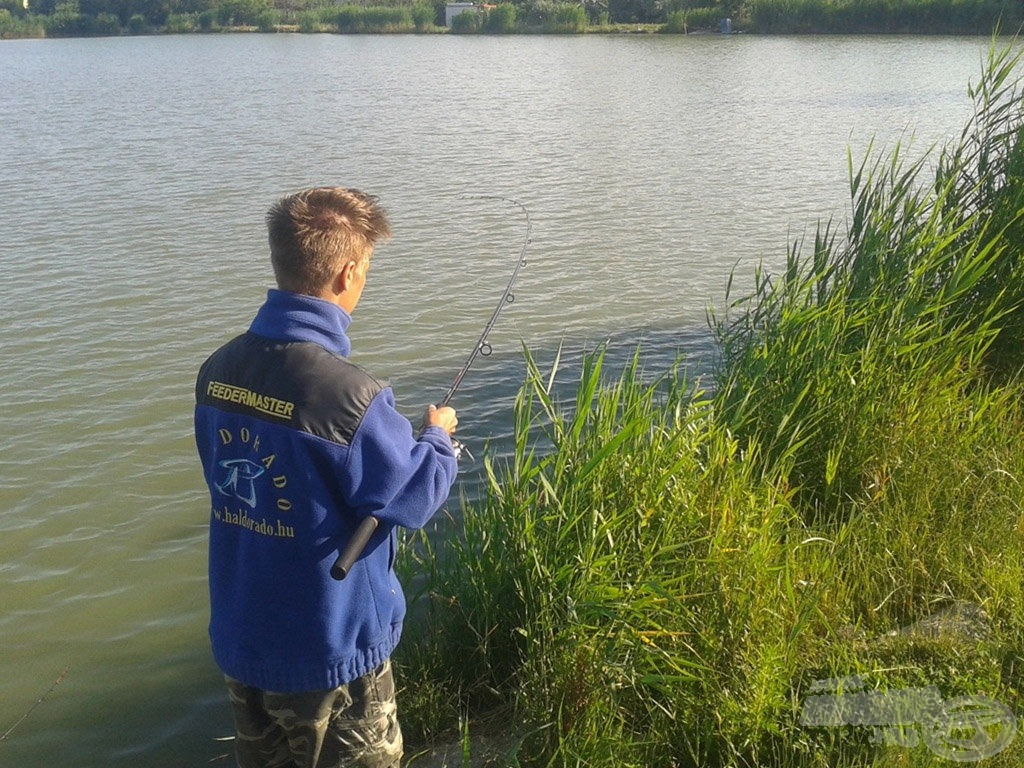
(355, 546)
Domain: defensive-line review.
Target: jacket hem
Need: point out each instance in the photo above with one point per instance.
(313, 676)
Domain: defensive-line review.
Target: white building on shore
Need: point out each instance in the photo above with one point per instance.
(451, 10)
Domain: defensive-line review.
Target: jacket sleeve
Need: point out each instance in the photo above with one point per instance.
(394, 476)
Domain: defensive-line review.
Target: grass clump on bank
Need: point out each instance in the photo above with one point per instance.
(936, 17)
(664, 577)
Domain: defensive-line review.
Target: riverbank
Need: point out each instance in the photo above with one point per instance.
(70, 18)
(662, 576)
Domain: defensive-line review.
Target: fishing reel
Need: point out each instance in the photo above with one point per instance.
(460, 448)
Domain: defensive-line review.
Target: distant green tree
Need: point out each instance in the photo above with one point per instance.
(105, 24)
(637, 11)
(20, 25)
(308, 21)
(439, 13)
(467, 23)
(680, 22)
(500, 20)
(535, 13)
(676, 23)
(568, 19)
(137, 25)
(96, 7)
(422, 16)
(597, 11)
(42, 7)
(208, 20)
(155, 12)
(182, 23)
(552, 16)
(192, 6)
(236, 13)
(268, 19)
(65, 20)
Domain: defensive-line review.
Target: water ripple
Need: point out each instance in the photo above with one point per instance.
(136, 174)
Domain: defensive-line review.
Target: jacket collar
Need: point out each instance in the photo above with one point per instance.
(294, 317)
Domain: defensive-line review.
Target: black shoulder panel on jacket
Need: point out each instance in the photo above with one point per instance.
(296, 384)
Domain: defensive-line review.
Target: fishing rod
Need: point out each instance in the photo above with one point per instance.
(482, 347)
(355, 546)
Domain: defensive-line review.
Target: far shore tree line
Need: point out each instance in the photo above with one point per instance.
(75, 18)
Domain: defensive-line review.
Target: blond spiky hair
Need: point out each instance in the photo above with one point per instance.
(314, 233)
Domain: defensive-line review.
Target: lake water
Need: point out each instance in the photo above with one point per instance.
(135, 176)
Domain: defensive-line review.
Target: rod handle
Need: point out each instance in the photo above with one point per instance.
(354, 548)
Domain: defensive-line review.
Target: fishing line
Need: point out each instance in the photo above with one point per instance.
(355, 546)
(39, 701)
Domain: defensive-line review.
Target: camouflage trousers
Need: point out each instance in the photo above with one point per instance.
(354, 726)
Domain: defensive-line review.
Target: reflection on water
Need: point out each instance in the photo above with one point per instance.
(487, 423)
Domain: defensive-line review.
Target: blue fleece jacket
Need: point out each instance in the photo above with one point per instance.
(298, 445)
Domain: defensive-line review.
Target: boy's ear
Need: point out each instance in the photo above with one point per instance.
(343, 279)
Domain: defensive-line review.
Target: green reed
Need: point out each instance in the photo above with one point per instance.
(824, 361)
(947, 17)
(658, 575)
(360, 19)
